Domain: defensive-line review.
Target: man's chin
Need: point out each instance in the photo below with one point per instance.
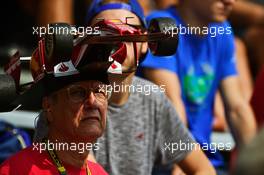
(90, 137)
(90, 129)
(94, 131)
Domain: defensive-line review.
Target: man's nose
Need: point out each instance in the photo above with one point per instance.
(90, 99)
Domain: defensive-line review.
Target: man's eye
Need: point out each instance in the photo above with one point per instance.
(79, 92)
(101, 91)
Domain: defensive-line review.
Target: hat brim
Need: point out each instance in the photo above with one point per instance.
(31, 99)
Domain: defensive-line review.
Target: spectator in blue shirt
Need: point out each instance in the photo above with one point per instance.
(203, 63)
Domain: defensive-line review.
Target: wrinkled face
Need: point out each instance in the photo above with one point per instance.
(121, 14)
(212, 10)
(78, 111)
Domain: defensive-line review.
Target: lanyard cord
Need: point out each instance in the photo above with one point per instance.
(58, 163)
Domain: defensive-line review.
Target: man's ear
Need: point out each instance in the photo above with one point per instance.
(144, 48)
(46, 105)
(143, 52)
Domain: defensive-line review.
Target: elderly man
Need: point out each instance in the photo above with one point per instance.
(75, 107)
